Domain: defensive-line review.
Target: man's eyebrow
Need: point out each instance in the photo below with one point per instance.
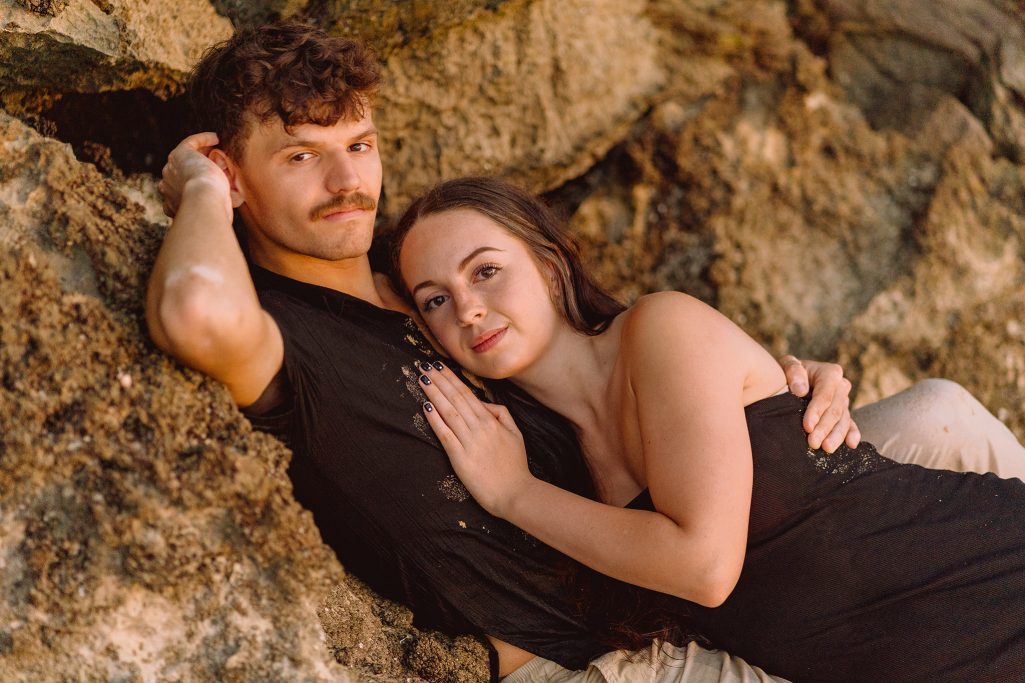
(296, 143)
(462, 265)
(303, 142)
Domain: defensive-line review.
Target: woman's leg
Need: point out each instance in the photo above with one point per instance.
(661, 663)
(937, 423)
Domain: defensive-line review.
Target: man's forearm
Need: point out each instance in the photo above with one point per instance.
(200, 292)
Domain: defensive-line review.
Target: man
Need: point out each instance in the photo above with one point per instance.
(318, 351)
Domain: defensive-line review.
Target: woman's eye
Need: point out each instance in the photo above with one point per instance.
(487, 271)
(433, 302)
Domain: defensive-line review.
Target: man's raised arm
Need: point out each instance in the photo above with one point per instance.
(201, 306)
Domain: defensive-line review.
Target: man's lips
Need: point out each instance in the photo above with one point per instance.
(341, 214)
(485, 341)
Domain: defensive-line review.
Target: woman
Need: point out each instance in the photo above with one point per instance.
(846, 567)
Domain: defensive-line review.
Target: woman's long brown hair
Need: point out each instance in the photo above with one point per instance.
(585, 305)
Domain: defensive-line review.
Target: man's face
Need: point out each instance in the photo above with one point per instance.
(311, 193)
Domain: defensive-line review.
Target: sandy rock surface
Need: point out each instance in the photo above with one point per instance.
(148, 532)
(536, 93)
(843, 178)
(99, 45)
(800, 210)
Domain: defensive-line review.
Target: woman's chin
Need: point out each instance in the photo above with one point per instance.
(486, 370)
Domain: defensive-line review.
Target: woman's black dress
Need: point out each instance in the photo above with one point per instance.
(862, 569)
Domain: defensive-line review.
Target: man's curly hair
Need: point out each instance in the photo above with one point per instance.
(287, 70)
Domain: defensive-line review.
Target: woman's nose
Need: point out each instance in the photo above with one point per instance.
(470, 309)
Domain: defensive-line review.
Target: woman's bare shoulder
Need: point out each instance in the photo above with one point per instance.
(674, 334)
(666, 319)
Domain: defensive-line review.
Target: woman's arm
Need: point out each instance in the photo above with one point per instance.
(687, 375)
(692, 372)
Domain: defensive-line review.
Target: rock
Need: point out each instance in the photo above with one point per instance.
(89, 46)
(148, 532)
(259, 11)
(535, 93)
(384, 25)
(774, 196)
(888, 55)
(51, 7)
(391, 25)
(766, 195)
(377, 636)
(948, 75)
(957, 311)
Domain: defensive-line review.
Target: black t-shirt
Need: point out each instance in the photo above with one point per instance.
(381, 489)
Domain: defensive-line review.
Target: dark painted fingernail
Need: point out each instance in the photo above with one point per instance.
(438, 365)
(429, 407)
(425, 379)
(426, 366)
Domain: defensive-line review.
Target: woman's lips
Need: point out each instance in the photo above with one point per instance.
(488, 340)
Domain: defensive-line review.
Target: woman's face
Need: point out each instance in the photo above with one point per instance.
(480, 292)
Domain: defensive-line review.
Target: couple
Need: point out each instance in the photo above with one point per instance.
(322, 353)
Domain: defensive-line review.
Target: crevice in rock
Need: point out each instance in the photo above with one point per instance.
(45, 7)
(244, 13)
(127, 132)
(810, 25)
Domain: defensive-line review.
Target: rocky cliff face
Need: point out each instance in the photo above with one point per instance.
(843, 178)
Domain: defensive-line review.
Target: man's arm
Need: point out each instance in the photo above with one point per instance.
(201, 306)
(828, 417)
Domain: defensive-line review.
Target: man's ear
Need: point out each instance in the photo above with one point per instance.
(230, 168)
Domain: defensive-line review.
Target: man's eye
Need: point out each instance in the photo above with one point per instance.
(301, 156)
(433, 302)
(360, 147)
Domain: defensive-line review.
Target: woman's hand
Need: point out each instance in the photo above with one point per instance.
(190, 162)
(481, 439)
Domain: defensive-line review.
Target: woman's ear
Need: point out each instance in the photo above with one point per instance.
(230, 168)
(551, 271)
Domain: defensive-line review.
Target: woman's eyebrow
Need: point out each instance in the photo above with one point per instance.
(472, 254)
(462, 266)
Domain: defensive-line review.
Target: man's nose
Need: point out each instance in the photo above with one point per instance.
(342, 175)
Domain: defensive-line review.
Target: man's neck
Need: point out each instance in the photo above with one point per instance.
(350, 276)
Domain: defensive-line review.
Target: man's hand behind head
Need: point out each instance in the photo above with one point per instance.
(190, 163)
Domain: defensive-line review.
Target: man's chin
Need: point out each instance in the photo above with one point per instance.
(350, 249)
(337, 241)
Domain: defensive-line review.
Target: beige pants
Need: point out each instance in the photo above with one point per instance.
(938, 424)
(661, 663)
(935, 423)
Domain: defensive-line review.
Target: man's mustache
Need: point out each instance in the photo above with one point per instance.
(356, 200)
